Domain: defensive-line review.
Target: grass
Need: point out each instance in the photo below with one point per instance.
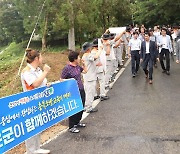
(11, 55)
(14, 53)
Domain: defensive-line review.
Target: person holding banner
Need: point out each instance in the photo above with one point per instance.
(33, 77)
(73, 70)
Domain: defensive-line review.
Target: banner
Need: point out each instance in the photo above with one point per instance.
(26, 114)
(117, 30)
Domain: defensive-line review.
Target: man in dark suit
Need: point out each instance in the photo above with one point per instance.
(147, 55)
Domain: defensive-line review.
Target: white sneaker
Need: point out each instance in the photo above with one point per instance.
(42, 151)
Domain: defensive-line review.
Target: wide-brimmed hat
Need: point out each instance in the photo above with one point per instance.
(105, 36)
(86, 46)
(128, 29)
(112, 35)
(95, 43)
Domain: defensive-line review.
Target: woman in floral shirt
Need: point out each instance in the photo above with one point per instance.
(74, 70)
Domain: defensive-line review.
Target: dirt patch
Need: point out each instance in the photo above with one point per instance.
(56, 61)
(10, 81)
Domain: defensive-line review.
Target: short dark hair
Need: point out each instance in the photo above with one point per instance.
(147, 33)
(73, 55)
(135, 33)
(164, 29)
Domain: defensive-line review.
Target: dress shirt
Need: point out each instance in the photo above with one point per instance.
(164, 41)
(135, 44)
(147, 47)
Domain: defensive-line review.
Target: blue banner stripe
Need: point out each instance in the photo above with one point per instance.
(26, 114)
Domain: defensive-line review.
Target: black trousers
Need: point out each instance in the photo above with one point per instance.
(75, 119)
(135, 61)
(155, 60)
(148, 61)
(167, 57)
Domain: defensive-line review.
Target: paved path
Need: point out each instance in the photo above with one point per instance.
(138, 119)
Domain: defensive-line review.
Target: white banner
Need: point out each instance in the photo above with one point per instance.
(117, 30)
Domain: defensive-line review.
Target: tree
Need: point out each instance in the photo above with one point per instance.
(11, 23)
(30, 11)
(92, 18)
(74, 17)
(81, 18)
(154, 12)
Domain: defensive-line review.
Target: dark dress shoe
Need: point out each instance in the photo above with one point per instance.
(164, 71)
(96, 97)
(104, 98)
(134, 75)
(168, 73)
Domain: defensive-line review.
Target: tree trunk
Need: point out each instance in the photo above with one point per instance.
(44, 39)
(71, 35)
(71, 39)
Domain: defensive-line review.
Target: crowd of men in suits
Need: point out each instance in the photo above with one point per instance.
(145, 47)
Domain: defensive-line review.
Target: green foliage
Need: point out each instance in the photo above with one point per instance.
(11, 23)
(152, 12)
(11, 54)
(89, 18)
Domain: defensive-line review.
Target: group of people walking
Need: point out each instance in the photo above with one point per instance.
(101, 60)
(153, 46)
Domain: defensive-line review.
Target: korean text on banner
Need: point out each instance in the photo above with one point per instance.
(26, 114)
